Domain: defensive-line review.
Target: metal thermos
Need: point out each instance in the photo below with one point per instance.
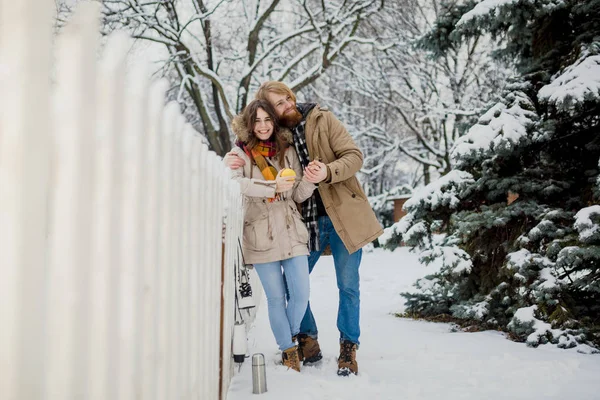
(259, 374)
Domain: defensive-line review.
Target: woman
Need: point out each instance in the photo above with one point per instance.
(274, 235)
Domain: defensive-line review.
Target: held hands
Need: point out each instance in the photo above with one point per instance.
(284, 183)
(233, 161)
(315, 172)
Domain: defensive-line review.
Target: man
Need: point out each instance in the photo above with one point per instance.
(338, 215)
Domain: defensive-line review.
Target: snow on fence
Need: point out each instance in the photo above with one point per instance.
(115, 282)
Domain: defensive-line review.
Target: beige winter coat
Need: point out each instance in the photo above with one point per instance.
(272, 230)
(344, 200)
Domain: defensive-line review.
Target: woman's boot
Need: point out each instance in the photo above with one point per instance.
(290, 358)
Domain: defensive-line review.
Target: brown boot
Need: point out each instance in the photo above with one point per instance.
(309, 349)
(290, 358)
(347, 361)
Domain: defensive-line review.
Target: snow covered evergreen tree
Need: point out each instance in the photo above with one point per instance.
(520, 211)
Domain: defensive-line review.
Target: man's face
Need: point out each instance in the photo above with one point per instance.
(285, 108)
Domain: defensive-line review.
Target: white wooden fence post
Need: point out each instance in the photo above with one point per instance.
(151, 295)
(212, 264)
(184, 292)
(203, 281)
(178, 264)
(68, 299)
(220, 179)
(233, 227)
(103, 339)
(165, 251)
(132, 145)
(25, 38)
(195, 264)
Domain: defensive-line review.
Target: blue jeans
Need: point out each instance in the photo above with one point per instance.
(348, 283)
(285, 319)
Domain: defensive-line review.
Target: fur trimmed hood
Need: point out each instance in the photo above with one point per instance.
(238, 126)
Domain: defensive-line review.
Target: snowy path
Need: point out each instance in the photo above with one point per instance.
(406, 359)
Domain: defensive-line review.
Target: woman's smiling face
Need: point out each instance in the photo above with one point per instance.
(263, 125)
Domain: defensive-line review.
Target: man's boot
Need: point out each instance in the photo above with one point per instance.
(290, 358)
(309, 349)
(347, 361)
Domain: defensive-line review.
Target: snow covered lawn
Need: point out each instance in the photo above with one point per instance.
(407, 359)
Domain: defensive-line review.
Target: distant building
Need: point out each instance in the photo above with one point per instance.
(399, 201)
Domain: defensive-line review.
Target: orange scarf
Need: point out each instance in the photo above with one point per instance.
(259, 154)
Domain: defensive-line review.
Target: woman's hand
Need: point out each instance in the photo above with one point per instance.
(315, 172)
(284, 183)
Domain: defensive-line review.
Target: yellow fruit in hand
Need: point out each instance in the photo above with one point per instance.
(287, 172)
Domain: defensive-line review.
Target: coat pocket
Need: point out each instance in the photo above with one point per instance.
(256, 235)
(301, 234)
(353, 190)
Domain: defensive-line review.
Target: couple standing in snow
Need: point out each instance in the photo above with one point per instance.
(274, 132)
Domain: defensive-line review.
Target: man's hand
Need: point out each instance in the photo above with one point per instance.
(233, 161)
(315, 172)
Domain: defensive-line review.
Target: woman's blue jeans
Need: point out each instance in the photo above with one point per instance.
(285, 318)
(348, 283)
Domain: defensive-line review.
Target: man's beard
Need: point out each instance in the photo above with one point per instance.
(291, 119)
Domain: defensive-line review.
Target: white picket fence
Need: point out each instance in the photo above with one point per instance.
(115, 280)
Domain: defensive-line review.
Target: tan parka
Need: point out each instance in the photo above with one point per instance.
(272, 230)
(345, 202)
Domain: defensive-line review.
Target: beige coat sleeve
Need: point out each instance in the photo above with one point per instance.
(303, 189)
(251, 187)
(349, 158)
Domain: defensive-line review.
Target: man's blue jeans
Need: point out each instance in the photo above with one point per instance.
(348, 282)
(285, 318)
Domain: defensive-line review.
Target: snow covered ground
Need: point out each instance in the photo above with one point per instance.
(407, 359)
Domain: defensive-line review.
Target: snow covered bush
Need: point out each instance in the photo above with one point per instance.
(520, 212)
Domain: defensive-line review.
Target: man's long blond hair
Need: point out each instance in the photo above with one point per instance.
(274, 87)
